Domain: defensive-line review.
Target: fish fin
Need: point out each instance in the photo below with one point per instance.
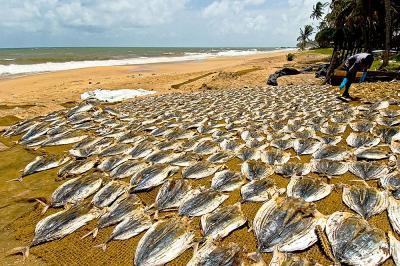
(256, 257)
(155, 217)
(90, 233)
(249, 226)
(95, 232)
(15, 179)
(23, 250)
(195, 246)
(102, 246)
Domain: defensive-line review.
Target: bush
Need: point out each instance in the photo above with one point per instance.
(290, 57)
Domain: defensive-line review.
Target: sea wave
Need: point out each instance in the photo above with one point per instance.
(15, 69)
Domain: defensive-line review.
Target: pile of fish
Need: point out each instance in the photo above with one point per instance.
(240, 140)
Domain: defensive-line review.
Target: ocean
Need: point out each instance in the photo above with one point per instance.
(14, 61)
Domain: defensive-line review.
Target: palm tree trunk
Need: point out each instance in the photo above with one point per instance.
(387, 33)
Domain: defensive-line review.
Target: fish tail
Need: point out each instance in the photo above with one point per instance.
(19, 179)
(93, 232)
(20, 250)
(102, 246)
(256, 257)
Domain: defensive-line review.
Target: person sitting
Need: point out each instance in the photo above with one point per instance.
(355, 63)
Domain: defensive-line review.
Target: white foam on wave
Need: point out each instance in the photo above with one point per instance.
(14, 69)
(114, 95)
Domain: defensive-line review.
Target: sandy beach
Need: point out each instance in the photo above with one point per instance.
(37, 94)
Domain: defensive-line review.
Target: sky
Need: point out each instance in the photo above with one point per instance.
(181, 23)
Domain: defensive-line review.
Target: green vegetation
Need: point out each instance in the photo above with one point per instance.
(392, 66)
(290, 57)
(304, 37)
(325, 51)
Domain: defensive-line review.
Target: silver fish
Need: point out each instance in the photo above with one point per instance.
(286, 223)
(328, 168)
(306, 146)
(293, 169)
(117, 149)
(362, 126)
(394, 248)
(368, 170)
(371, 154)
(307, 188)
(141, 150)
(109, 163)
(393, 213)
(246, 154)
(152, 176)
(226, 180)
(354, 241)
(76, 167)
(330, 152)
(163, 242)
(201, 201)
(220, 157)
(260, 190)
(41, 163)
(217, 254)
(199, 170)
(222, 221)
(387, 134)
(366, 201)
(358, 140)
(171, 194)
(275, 157)
(132, 225)
(109, 193)
(76, 190)
(256, 170)
(63, 139)
(127, 169)
(391, 182)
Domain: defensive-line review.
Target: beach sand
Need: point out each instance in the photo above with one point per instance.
(34, 95)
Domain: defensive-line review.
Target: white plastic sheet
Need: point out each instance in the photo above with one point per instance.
(114, 95)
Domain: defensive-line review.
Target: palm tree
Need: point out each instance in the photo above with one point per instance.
(317, 12)
(304, 37)
(388, 33)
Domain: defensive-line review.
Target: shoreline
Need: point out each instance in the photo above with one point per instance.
(50, 91)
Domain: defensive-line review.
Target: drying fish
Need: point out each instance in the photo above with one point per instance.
(75, 190)
(256, 170)
(394, 214)
(307, 133)
(109, 163)
(283, 143)
(354, 241)
(368, 170)
(226, 180)
(293, 169)
(116, 149)
(307, 188)
(391, 182)
(222, 221)
(229, 145)
(330, 140)
(333, 129)
(286, 223)
(132, 225)
(76, 167)
(41, 163)
(306, 146)
(395, 147)
(141, 150)
(109, 193)
(358, 140)
(152, 176)
(19, 128)
(127, 169)
(220, 157)
(201, 201)
(217, 254)
(185, 159)
(362, 126)
(205, 148)
(171, 194)
(123, 207)
(387, 134)
(246, 154)
(332, 153)
(388, 121)
(35, 132)
(328, 168)
(371, 154)
(260, 190)
(163, 242)
(59, 225)
(247, 135)
(275, 157)
(199, 170)
(394, 248)
(366, 201)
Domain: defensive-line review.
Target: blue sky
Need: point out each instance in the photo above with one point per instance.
(31, 23)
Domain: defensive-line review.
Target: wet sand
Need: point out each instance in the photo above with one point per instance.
(20, 212)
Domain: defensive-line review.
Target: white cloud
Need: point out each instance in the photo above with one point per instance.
(88, 15)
